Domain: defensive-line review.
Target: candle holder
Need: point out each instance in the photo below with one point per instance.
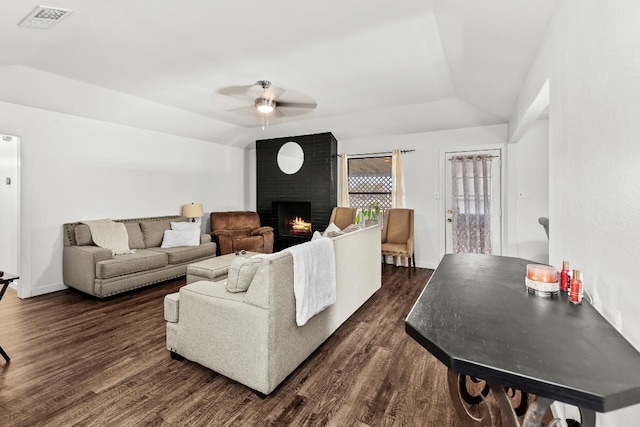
(542, 280)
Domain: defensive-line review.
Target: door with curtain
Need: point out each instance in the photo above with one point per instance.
(473, 202)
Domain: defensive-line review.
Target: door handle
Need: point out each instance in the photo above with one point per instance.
(449, 211)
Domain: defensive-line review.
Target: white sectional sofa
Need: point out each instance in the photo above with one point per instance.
(252, 337)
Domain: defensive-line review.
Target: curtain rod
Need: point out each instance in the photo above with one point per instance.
(377, 153)
(470, 157)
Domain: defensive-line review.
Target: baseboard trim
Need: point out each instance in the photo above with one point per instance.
(41, 290)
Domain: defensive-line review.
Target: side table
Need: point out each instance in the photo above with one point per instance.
(6, 278)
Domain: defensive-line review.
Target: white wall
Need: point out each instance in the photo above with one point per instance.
(532, 192)
(75, 168)
(594, 197)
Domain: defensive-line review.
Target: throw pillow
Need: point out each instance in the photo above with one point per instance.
(153, 232)
(136, 240)
(184, 225)
(352, 227)
(178, 238)
(330, 228)
(334, 233)
(83, 235)
(241, 272)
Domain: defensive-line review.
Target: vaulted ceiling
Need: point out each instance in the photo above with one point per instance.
(374, 67)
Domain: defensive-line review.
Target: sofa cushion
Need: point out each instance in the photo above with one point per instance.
(184, 254)
(177, 238)
(83, 235)
(136, 240)
(241, 272)
(205, 290)
(153, 232)
(141, 260)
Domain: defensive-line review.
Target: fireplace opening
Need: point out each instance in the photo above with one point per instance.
(294, 219)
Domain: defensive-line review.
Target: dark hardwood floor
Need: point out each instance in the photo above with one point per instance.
(76, 360)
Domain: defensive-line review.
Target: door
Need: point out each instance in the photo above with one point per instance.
(475, 208)
(9, 200)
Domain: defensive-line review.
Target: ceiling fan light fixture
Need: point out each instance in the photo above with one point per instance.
(265, 105)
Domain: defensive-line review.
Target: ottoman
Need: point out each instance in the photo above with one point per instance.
(213, 269)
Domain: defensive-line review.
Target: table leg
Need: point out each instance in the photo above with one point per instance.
(473, 408)
(535, 413)
(5, 284)
(587, 418)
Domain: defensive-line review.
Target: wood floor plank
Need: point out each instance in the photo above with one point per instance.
(80, 361)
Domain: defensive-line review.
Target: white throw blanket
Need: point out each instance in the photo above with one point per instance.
(314, 277)
(110, 235)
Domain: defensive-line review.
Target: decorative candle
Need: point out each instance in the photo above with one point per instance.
(542, 273)
(542, 279)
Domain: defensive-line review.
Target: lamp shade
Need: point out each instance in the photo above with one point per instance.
(194, 210)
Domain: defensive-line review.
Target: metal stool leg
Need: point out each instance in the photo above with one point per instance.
(5, 355)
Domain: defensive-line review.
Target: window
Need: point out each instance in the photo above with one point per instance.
(369, 182)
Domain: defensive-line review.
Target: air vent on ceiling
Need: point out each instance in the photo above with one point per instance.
(44, 17)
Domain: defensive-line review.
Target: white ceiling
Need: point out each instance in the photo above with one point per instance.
(374, 67)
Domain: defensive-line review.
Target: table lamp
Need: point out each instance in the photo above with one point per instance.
(192, 211)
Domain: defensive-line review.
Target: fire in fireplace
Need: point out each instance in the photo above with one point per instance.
(299, 226)
(294, 219)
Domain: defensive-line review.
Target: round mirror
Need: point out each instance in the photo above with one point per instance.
(290, 158)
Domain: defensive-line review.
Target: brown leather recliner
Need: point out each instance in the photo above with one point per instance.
(235, 231)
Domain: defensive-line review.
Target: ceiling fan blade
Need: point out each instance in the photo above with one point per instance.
(291, 112)
(274, 92)
(247, 111)
(275, 113)
(285, 104)
(242, 91)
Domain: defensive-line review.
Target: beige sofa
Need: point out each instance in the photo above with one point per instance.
(94, 270)
(252, 337)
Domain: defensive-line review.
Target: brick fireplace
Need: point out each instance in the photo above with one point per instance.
(297, 204)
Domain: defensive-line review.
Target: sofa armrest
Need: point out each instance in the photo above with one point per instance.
(79, 266)
(205, 238)
(224, 240)
(172, 307)
(262, 230)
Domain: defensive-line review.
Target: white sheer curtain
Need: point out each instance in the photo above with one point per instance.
(397, 180)
(471, 192)
(344, 181)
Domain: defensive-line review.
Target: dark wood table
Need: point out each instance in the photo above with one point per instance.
(476, 316)
(6, 279)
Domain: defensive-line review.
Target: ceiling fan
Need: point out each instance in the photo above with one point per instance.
(268, 100)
